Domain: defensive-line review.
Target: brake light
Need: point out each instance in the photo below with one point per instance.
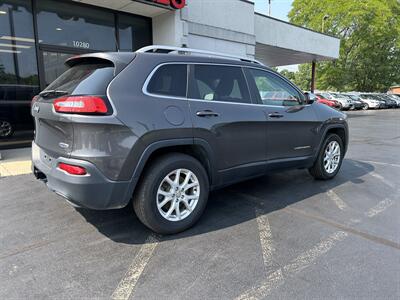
(71, 169)
(80, 105)
(34, 99)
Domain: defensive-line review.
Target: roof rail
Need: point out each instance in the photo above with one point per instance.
(177, 50)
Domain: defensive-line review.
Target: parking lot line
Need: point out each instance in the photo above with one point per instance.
(345, 228)
(304, 260)
(265, 236)
(381, 163)
(376, 175)
(337, 200)
(128, 283)
(380, 207)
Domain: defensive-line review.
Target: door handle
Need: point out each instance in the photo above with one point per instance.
(275, 115)
(207, 113)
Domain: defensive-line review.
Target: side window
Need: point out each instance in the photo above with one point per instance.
(273, 90)
(169, 80)
(218, 83)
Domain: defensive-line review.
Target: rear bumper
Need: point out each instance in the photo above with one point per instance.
(92, 190)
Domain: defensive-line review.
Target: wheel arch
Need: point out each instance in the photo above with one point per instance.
(197, 148)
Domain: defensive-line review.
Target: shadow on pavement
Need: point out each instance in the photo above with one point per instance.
(232, 205)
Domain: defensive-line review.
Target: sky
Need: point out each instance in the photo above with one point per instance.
(279, 10)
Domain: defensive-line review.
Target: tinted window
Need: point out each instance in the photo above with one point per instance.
(18, 65)
(169, 80)
(273, 90)
(65, 24)
(87, 78)
(218, 83)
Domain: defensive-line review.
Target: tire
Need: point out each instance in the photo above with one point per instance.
(365, 106)
(6, 129)
(147, 196)
(318, 170)
(340, 106)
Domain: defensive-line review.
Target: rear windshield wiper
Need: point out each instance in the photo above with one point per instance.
(52, 93)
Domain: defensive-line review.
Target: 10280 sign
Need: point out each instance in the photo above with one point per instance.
(81, 44)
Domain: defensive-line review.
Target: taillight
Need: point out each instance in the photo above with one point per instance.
(71, 169)
(34, 99)
(80, 105)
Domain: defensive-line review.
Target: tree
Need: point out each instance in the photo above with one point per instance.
(370, 42)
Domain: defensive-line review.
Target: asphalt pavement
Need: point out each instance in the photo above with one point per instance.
(281, 236)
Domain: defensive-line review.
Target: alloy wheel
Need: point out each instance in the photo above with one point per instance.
(332, 157)
(178, 195)
(5, 128)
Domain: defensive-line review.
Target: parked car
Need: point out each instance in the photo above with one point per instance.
(344, 102)
(357, 101)
(390, 103)
(185, 125)
(330, 103)
(15, 108)
(372, 101)
(396, 98)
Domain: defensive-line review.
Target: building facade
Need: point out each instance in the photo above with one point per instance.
(37, 36)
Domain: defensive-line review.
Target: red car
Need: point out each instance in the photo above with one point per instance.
(331, 103)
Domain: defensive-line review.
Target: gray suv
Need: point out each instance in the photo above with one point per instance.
(161, 127)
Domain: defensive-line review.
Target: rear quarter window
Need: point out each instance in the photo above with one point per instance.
(169, 80)
(84, 79)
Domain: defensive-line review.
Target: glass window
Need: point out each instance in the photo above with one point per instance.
(18, 63)
(134, 32)
(169, 80)
(65, 24)
(85, 78)
(273, 90)
(18, 71)
(218, 83)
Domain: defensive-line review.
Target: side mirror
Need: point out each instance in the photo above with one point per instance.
(310, 98)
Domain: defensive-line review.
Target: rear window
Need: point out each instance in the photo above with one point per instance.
(84, 79)
(169, 80)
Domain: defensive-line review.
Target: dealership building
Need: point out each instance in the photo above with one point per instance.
(37, 36)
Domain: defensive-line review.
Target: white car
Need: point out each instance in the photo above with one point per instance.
(371, 101)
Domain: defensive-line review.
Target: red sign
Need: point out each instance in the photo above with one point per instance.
(176, 4)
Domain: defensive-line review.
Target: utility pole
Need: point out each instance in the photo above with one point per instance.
(324, 18)
(269, 7)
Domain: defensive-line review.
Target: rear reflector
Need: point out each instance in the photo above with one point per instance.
(80, 105)
(71, 169)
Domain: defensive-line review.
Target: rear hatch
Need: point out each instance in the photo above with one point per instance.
(81, 90)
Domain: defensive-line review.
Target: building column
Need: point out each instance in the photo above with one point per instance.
(312, 88)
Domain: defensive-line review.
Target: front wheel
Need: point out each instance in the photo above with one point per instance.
(172, 193)
(365, 106)
(329, 159)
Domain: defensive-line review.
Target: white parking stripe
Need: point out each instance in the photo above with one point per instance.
(305, 259)
(276, 278)
(265, 236)
(381, 163)
(380, 207)
(375, 175)
(273, 280)
(128, 283)
(337, 200)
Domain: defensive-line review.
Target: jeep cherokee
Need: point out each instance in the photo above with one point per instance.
(160, 130)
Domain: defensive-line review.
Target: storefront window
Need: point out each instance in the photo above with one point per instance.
(18, 71)
(63, 24)
(134, 32)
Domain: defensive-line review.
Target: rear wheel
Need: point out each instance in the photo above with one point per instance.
(365, 106)
(6, 129)
(172, 194)
(329, 159)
